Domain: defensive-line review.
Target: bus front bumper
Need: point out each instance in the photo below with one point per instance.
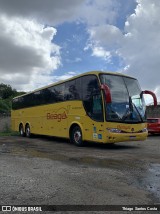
(122, 137)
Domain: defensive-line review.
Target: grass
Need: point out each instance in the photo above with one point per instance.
(11, 133)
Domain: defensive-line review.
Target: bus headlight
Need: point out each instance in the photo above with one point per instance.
(145, 130)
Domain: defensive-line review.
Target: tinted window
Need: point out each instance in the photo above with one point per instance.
(37, 98)
(89, 85)
(51, 97)
(71, 91)
(59, 91)
(15, 103)
(92, 99)
(45, 96)
(83, 88)
(79, 88)
(27, 100)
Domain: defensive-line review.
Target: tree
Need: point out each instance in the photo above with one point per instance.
(5, 91)
(6, 96)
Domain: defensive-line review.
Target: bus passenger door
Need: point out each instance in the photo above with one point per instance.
(92, 101)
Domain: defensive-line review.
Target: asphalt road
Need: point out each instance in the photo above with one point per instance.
(48, 171)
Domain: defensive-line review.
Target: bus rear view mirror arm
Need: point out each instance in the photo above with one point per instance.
(107, 93)
(152, 94)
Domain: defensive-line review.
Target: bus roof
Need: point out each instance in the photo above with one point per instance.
(74, 77)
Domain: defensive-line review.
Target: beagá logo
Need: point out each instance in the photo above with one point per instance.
(57, 117)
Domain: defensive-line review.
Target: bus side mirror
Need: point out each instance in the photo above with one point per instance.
(153, 95)
(107, 93)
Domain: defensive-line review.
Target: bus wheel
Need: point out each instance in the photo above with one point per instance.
(21, 130)
(28, 131)
(76, 136)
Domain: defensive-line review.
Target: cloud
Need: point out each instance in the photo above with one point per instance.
(137, 44)
(104, 41)
(49, 12)
(105, 38)
(75, 60)
(141, 47)
(25, 48)
(98, 51)
(65, 76)
(106, 35)
(97, 12)
(28, 54)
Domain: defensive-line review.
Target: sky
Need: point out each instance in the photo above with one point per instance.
(42, 42)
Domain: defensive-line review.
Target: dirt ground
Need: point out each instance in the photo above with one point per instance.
(50, 171)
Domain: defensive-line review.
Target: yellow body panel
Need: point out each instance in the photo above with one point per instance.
(57, 119)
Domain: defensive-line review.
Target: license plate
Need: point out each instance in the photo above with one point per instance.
(132, 137)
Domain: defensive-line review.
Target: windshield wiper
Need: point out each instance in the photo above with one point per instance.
(129, 110)
(137, 111)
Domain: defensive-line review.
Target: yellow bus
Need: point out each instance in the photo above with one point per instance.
(102, 107)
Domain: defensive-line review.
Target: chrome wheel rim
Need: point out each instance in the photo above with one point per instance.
(77, 136)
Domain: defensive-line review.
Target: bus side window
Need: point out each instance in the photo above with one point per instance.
(28, 101)
(79, 88)
(16, 104)
(71, 92)
(59, 91)
(52, 94)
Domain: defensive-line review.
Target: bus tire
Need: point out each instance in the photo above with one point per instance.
(21, 130)
(76, 136)
(28, 131)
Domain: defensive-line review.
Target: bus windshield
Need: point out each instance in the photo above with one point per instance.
(127, 102)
